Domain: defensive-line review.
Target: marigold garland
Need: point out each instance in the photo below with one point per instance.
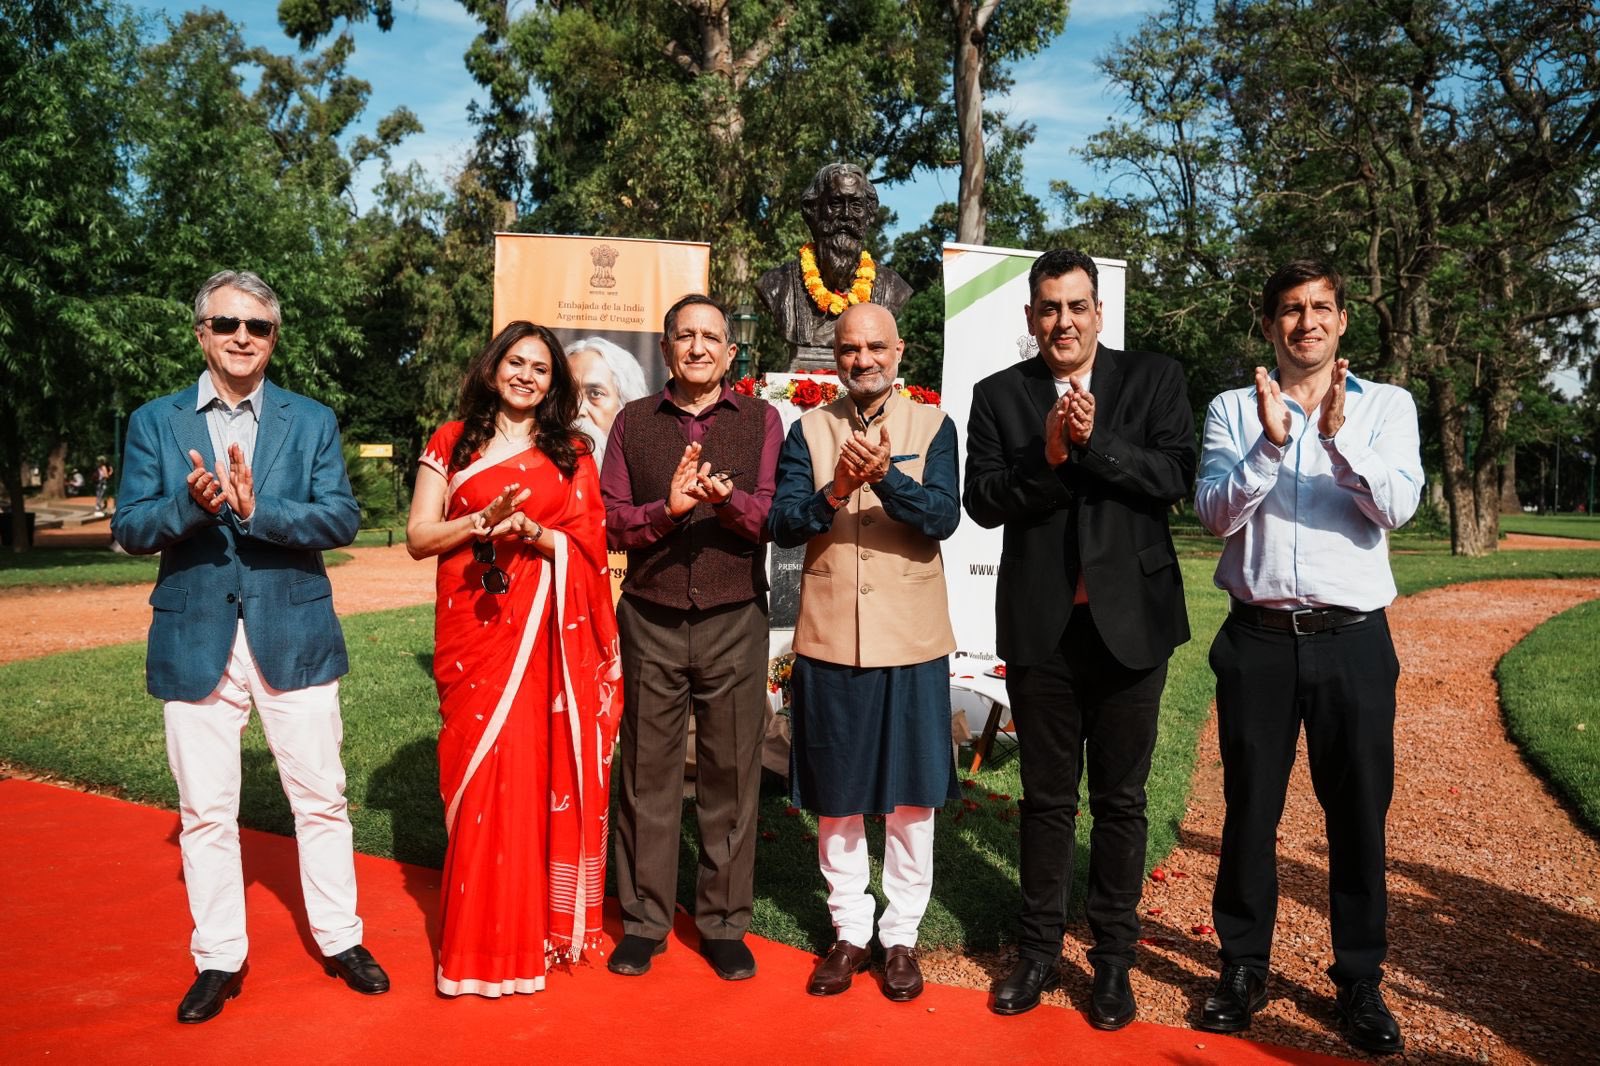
(827, 300)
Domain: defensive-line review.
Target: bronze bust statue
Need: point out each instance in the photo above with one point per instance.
(838, 207)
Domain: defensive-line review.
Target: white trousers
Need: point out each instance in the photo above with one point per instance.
(304, 731)
(907, 875)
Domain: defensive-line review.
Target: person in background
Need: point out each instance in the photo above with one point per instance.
(102, 484)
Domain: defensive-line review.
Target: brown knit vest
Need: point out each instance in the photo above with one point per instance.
(700, 564)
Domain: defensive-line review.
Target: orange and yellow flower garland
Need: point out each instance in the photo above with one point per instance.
(828, 301)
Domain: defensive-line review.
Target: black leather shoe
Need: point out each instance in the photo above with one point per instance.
(1111, 1003)
(633, 954)
(358, 969)
(1022, 987)
(902, 975)
(1240, 993)
(729, 958)
(211, 989)
(1365, 1020)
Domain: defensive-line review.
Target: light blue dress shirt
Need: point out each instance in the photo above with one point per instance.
(1307, 524)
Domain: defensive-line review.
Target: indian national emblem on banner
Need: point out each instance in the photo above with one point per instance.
(604, 257)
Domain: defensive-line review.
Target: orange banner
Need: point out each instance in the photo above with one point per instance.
(610, 287)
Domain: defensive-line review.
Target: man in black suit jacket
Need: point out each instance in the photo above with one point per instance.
(1079, 453)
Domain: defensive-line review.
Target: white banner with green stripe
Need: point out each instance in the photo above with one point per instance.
(985, 331)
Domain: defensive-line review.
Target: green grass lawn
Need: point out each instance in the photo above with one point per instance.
(1550, 690)
(1582, 526)
(56, 567)
(85, 717)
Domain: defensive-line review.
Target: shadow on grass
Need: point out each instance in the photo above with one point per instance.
(407, 787)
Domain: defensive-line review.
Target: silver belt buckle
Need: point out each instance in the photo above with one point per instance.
(1294, 621)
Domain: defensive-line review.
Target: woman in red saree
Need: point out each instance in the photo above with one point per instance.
(525, 657)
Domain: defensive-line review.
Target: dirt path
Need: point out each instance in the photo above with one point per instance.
(46, 621)
(1494, 930)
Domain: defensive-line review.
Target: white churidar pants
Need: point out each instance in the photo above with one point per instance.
(305, 732)
(907, 875)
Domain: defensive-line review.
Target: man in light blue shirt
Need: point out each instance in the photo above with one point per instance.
(1305, 473)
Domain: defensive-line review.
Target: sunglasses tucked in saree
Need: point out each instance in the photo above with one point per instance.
(529, 692)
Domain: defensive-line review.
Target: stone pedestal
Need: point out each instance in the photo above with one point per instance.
(804, 357)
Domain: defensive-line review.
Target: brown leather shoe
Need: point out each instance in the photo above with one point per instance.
(902, 977)
(837, 968)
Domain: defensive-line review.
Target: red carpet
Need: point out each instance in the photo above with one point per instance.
(95, 931)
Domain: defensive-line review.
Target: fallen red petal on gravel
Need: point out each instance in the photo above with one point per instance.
(1158, 874)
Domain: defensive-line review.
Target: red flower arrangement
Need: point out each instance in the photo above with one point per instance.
(807, 394)
(745, 386)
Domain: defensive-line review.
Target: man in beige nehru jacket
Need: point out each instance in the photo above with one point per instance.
(869, 484)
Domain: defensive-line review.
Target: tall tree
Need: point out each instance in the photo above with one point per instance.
(66, 71)
(1445, 152)
(981, 45)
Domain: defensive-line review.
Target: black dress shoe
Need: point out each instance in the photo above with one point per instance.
(633, 954)
(1111, 1003)
(1365, 1019)
(1240, 993)
(211, 989)
(358, 969)
(729, 958)
(1022, 987)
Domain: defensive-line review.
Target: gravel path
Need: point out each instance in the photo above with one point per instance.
(1494, 929)
(50, 620)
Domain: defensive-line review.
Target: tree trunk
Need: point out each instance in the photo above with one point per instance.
(11, 475)
(1510, 502)
(1474, 519)
(971, 225)
(54, 486)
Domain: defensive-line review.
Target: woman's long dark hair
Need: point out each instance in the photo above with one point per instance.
(480, 402)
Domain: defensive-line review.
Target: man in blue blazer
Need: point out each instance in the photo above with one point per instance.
(241, 486)
(1078, 453)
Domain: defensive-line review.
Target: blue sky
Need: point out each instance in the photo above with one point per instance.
(418, 64)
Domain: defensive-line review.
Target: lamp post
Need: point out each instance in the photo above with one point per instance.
(743, 324)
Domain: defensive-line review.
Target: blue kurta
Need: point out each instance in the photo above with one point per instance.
(865, 740)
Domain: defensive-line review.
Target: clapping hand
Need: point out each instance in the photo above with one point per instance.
(1055, 430)
(1080, 414)
(204, 488)
(1271, 409)
(1333, 403)
(238, 484)
(685, 492)
(868, 463)
(484, 523)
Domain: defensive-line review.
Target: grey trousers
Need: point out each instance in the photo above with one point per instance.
(674, 662)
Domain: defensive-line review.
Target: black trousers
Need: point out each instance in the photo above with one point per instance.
(1081, 708)
(713, 663)
(1341, 684)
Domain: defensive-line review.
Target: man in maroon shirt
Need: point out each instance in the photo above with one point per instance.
(688, 478)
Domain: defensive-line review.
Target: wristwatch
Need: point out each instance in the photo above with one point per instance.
(835, 502)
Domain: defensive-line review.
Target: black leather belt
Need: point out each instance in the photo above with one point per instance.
(1301, 623)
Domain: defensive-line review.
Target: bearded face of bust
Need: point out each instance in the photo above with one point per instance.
(838, 208)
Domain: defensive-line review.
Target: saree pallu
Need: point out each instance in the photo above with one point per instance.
(529, 692)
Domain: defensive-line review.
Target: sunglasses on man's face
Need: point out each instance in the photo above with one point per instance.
(495, 580)
(227, 325)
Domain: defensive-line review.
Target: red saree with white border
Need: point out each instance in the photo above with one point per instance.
(530, 692)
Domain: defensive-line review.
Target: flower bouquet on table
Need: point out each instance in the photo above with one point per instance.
(779, 673)
(805, 393)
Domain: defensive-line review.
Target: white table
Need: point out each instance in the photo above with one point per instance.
(982, 697)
